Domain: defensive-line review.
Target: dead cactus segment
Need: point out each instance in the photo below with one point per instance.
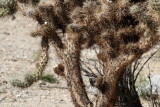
(59, 70)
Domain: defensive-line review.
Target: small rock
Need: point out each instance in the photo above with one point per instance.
(42, 83)
(5, 82)
(6, 33)
(61, 101)
(14, 60)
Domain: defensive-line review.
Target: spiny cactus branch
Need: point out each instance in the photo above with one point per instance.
(43, 60)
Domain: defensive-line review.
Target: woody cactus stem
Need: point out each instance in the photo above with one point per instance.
(73, 73)
(119, 73)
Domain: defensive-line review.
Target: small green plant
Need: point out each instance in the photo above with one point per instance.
(29, 79)
(49, 78)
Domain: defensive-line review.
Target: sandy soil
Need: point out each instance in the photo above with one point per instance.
(16, 59)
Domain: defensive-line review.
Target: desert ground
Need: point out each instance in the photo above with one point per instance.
(17, 57)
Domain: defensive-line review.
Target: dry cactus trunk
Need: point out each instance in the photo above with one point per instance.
(127, 94)
(73, 72)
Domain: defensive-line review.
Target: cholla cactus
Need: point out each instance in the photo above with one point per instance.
(123, 30)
